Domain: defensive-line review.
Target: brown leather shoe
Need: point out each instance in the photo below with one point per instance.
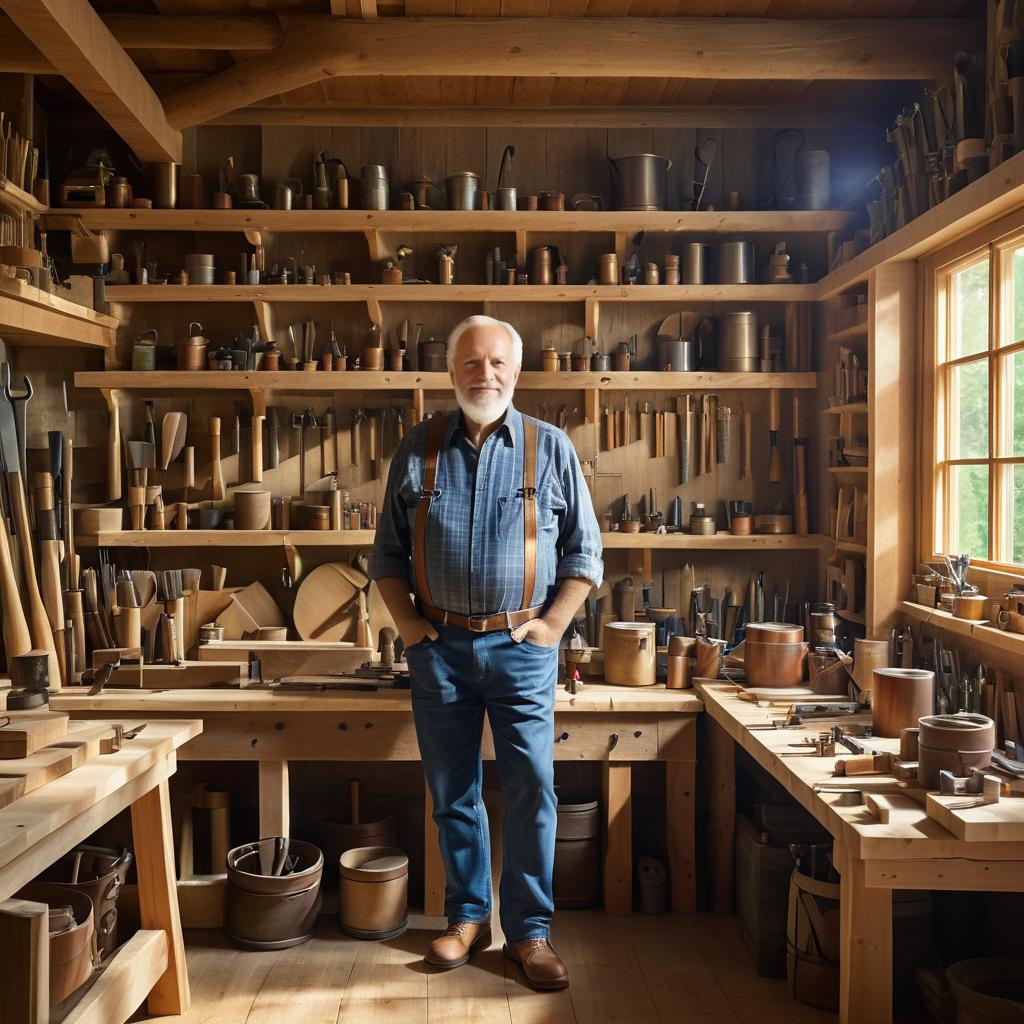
(458, 943)
(542, 966)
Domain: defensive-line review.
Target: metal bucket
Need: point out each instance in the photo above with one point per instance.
(677, 356)
(694, 262)
(462, 190)
(737, 343)
(640, 181)
(736, 263)
(811, 172)
(373, 187)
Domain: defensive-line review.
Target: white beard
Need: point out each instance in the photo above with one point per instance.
(484, 409)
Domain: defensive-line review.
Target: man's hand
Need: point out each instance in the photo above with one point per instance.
(539, 632)
(416, 630)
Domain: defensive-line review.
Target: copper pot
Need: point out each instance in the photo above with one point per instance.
(899, 697)
(629, 653)
(553, 201)
(955, 743)
(775, 633)
(774, 665)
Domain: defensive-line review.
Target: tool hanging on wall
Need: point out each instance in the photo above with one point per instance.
(216, 473)
(746, 419)
(800, 444)
(774, 466)
(328, 451)
(358, 415)
(685, 431)
(723, 435)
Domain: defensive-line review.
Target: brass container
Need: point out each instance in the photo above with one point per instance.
(608, 268)
(549, 360)
(953, 743)
(969, 606)
(373, 358)
(775, 633)
(374, 899)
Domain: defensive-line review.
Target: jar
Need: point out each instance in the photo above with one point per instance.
(118, 193)
(542, 265)
(608, 268)
(651, 275)
(548, 360)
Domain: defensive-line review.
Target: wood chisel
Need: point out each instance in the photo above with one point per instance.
(645, 423)
(216, 473)
(723, 435)
(609, 429)
(774, 467)
(328, 452)
(373, 424)
(746, 439)
(273, 439)
(256, 447)
(799, 472)
(296, 424)
(358, 415)
(659, 434)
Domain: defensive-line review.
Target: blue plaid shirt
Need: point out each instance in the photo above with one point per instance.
(474, 532)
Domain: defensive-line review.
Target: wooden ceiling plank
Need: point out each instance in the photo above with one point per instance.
(524, 8)
(466, 115)
(722, 48)
(71, 34)
(429, 8)
(18, 54)
(567, 8)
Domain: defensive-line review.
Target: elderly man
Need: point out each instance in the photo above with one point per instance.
(488, 520)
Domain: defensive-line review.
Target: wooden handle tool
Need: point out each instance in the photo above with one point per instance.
(17, 639)
(799, 473)
(216, 473)
(114, 452)
(746, 437)
(774, 467)
(256, 449)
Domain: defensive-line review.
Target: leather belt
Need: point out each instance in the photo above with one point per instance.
(481, 623)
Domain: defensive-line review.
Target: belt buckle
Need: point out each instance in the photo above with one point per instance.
(476, 623)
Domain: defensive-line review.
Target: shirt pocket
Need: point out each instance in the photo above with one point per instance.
(551, 509)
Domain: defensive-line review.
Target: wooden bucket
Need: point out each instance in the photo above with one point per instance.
(374, 898)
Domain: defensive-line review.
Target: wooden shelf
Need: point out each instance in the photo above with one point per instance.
(361, 538)
(854, 408)
(855, 617)
(992, 195)
(844, 334)
(409, 380)
(980, 632)
(29, 315)
(848, 469)
(718, 542)
(851, 547)
(305, 293)
(716, 222)
(15, 198)
(224, 538)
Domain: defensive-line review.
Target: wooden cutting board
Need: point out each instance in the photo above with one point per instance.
(237, 622)
(23, 737)
(326, 604)
(256, 600)
(81, 743)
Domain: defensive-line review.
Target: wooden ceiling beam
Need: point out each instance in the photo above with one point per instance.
(70, 34)
(195, 31)
(558, 117)
(319, 47)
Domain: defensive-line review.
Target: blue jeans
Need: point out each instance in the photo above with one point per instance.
(454, 680)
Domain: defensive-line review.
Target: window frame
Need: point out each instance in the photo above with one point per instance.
(997, 241)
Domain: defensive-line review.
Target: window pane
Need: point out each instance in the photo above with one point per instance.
(968, 406)
(970, 310)
(1012, 427)
(1018, 297)
(969, 509)
(1017, 527)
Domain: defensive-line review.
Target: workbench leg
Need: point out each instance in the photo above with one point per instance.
(433, 869)
(680, 782)
(618, 841)
(721, 781)
(25, 965)
(274, 817)
(865, 946)
(158, 895)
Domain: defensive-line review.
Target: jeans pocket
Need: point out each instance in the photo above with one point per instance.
(529, 646)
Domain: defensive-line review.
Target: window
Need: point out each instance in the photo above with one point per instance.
(979, 443)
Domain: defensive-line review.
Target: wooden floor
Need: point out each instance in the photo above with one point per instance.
(638, 970)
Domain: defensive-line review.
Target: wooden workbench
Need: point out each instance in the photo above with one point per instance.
(610, 724)
(913, 852)
(42, 826)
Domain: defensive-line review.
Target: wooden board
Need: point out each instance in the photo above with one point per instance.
(255, 600)
(237, 622)
(1002, 821)
(289, 657)
(24, 775)
(23, 737)
(325, 605)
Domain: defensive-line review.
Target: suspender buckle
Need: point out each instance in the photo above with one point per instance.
(527, 493)
(435, 493)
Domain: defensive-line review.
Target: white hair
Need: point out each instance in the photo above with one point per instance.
(485, 321)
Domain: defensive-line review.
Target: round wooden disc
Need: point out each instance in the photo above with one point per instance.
(326, 606)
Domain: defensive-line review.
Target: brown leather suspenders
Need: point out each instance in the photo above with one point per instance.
(528, 492)
(435, 434)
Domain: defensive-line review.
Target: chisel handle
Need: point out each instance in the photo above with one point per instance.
(216, 473)
(114, 453)
(256, 449)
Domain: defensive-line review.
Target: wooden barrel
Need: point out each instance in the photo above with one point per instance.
(577, 876)
(629, 653)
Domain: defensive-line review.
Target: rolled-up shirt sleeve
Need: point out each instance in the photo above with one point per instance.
(392, 545)
(579, 540)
